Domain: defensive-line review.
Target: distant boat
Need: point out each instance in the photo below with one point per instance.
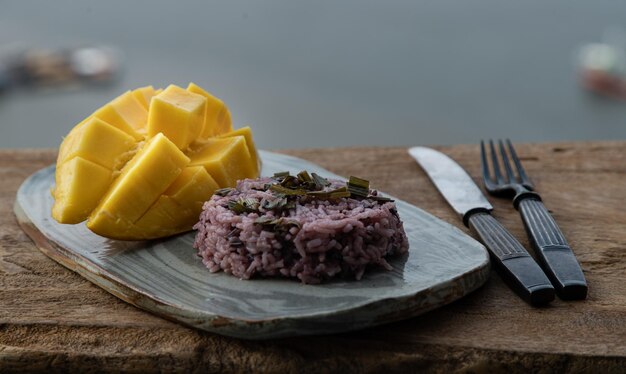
(22, 66)
(603, 65)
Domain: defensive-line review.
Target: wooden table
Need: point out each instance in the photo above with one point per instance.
(51, 318)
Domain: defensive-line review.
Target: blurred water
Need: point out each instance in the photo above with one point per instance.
(328, 73)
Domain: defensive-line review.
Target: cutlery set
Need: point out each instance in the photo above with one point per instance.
(557, 271)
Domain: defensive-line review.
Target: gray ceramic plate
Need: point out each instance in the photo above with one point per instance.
(168, 279)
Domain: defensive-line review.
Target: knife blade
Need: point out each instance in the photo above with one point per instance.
(514, 264)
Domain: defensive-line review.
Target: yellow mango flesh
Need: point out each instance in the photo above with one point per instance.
(192, 187)
(99, 142)
(67, 145)
(125, 113)
(246, 132)
(180, 206)
(144, 95)
(131, 110)
(226, 159)
(130, 182)
(178, 114)
(217, 120)
(79, 186)
(139, 185)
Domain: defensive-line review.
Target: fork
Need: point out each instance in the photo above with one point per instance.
(554, 253)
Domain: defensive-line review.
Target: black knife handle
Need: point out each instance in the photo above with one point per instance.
(513, 262)
(554, 254)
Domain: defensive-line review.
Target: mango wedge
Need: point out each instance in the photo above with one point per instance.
(226, 159)
(80, 184)
(125, 113)
(177, 113)
(246, 132)
(140, 184)
(217, 119)
(192, 187)
(99, 142)
(144, 95)
(179, 206)
(142, 166)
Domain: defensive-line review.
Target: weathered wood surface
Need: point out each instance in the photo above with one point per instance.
(52, 319)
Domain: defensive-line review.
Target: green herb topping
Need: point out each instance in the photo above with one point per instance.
(305, 184)
(241, 205)
(287, 188)
(320, 182)
(358, 187)
(224, 191)
(281, 174)
(286, 191)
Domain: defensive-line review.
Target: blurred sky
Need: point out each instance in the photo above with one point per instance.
(335, 73)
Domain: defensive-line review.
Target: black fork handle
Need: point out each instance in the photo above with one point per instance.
(512, 261)
(554, 254)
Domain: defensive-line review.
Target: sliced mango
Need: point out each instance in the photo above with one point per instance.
(144, 95)
(217, 120)
(164, 218)
(67, 145)
(226, 159)
(135, 174)
(99, 142)
(80, 184)
(95, 141)
(131, 110)
(140, 184)
(246, 132)
(192, 188)
(125, 113)
(180, 206)
(178, 114)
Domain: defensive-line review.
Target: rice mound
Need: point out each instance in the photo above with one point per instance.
(311, 240)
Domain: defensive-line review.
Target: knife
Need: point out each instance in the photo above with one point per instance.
(518, 269)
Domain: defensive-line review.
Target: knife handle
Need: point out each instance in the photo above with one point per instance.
(554, 254)
(513, 262)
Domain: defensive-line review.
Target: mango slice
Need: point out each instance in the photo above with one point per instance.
(226, 159)
(178, 114)
(141, 183)
(125, 113)
(192, 187)
(140, 167)
(99, 142)
(217, 119)
(144, 95)
(246, 132)
(178, 207)
(80, 184)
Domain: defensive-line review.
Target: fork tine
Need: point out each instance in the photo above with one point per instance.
(518, 165)
(483, 160)
(494, 162)
(506, 163)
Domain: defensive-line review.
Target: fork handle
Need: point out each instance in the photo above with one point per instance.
(514, 264)
(554, 254)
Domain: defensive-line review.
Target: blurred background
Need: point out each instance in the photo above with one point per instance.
(329, 73)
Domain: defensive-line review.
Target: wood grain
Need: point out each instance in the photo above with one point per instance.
(52, 319)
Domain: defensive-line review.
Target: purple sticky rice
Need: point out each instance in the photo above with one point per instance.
(315, 240)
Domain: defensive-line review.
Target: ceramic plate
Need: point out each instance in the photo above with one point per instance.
(167, 278)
